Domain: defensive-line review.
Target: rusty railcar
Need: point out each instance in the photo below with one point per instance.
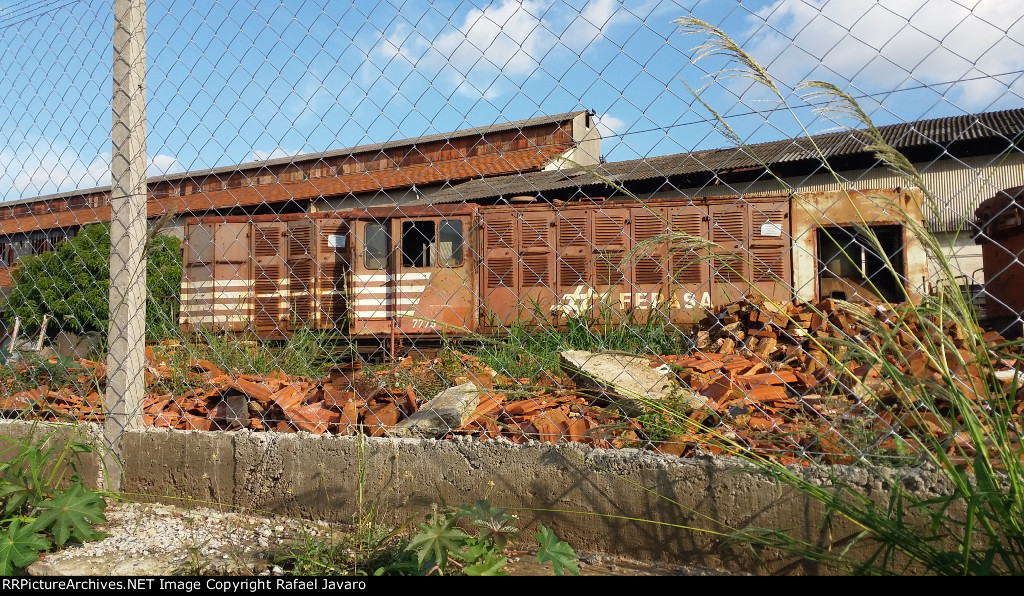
(415, 273)
(368, 273)
(1000, 232)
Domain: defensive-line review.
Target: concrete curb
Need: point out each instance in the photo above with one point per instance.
(626, 502)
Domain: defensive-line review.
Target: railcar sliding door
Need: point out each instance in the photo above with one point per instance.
(519, 275)
(434, 281)
(217, 284)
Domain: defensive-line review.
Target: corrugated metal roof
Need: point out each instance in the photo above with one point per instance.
(1004, 126)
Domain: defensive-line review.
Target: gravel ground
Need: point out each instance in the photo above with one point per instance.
(147, 539)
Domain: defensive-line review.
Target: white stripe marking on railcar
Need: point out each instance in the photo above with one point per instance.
(385, 302)
(214, 283)
(378, 277)
(214, 319)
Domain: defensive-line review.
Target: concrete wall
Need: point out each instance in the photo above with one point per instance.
(597, 500)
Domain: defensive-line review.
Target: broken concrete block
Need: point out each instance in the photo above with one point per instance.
(441, 415)
(628, 382)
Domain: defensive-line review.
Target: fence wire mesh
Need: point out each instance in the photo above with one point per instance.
(622, 224)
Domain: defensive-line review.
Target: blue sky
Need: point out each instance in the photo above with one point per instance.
(236, 81)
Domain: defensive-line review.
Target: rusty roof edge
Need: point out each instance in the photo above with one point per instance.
(411, 142)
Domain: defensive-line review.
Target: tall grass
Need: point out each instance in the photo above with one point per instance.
(960, 414)
(525, 349)
(306, 353)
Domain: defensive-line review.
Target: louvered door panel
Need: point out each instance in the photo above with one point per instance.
(301, 267)
(688, 258)
(650, 245)
(575, 249)
(499, 277)
(269, 261)
(332, 274)
(536, 264)
(730, 263)
(771, 262)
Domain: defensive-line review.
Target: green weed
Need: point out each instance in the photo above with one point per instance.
(467, 540)
(524, 350)
(35, 514)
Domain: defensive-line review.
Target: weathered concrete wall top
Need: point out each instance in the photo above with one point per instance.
(628, 502)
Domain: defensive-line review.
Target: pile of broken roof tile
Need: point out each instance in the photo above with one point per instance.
(769, 379)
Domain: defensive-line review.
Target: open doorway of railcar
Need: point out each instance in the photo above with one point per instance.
(854, 265)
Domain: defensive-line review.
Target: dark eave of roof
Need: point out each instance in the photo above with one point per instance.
(924, 140)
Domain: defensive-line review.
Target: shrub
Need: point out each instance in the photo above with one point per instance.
(71, 285)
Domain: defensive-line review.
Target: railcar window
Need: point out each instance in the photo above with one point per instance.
(449, 244)
(418, 243)
(375, 244)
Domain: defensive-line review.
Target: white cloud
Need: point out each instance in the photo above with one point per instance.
(29, 174)
(503, 42)
(53, 169)
(508, 37)
(879, 46)
(591, 23)
(609, 126)
(162, 165)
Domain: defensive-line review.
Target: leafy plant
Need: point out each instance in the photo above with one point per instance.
(441, 542)
(20, 546)
(496, 525)
(71, 284)
(467, 540)
(70, 514)
(559, 553)
(36, 515)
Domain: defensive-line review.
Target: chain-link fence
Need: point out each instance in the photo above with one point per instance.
(554, 221)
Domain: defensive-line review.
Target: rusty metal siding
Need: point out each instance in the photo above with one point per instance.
(536, 263)
(1000, 223)
(613, 259)
(959, 185)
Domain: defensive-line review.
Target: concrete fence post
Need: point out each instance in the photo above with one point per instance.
(127, 306)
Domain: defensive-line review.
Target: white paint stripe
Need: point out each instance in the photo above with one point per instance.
(213, 319)
(410, 293)
(229, 289)
(370, 303)
(381, 290)
(374, 303)
(218, 283)
(217, 296)
(386, 277)
(401, 301)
